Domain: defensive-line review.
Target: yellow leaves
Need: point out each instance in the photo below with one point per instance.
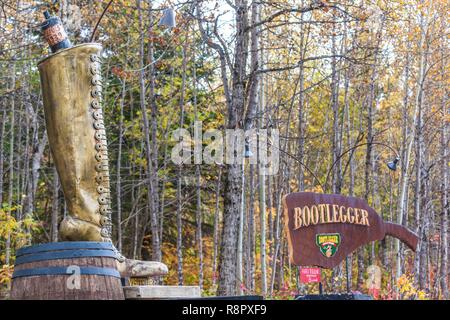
(8, 222)
(6, 272)
(421, 295)
(406, 288)
(190, 262)
(447, 118)
(19, 232)
(9, 27)
(317, 189)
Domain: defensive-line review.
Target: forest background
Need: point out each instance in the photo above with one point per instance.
(349, 85)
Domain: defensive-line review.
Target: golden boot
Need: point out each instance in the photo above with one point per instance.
(71, 87)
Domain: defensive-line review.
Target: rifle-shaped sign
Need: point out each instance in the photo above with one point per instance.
(323, 229)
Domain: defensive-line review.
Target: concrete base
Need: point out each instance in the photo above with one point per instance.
(161, 292)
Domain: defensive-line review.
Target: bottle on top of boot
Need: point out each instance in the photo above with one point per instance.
(54, 33)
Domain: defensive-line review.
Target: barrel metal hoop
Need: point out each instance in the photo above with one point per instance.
(66, 271)
(67, 245)
(65, 254)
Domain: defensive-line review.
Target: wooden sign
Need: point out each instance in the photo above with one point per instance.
(309, 275)
(323, 229)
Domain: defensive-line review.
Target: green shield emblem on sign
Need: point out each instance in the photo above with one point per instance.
(328, 243)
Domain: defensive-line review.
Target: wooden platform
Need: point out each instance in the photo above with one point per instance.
(161, 292)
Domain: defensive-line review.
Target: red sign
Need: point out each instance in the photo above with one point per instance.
(374, 293)
(309, 275)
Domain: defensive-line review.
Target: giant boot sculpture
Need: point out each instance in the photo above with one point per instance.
(72, 93)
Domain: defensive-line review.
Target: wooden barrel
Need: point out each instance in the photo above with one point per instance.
(78, 270)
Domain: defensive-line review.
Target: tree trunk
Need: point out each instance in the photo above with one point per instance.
(418, 141)
(151, 188)
(153, 170)
(444, 224)
(55, 206)
(232, 203)
(216, 235)
(12, 87)
(2, 135)
(119, 168)
(251, 232)
(405, 159)
(198, 187)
